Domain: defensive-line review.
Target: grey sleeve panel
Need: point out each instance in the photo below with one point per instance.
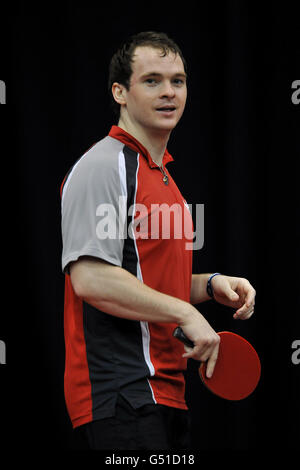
(90, 204)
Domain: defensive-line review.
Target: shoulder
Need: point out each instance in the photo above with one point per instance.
(100, 161)
(103, 154)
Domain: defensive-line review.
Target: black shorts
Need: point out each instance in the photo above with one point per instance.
(151, 427)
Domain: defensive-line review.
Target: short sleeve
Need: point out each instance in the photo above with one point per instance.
(93, 201)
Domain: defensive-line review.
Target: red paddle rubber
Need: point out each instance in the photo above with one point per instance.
(237, 370)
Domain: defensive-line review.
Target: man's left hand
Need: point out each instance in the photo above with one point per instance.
(235, 292)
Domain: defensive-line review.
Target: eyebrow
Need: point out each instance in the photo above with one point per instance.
(156, 74)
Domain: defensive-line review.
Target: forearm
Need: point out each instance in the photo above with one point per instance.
(115, 291)
(198, 288)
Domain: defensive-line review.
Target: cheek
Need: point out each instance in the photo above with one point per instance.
(140, 101)
(181, 102)
(183, 98)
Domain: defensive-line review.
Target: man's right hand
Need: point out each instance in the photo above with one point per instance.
(206, 341)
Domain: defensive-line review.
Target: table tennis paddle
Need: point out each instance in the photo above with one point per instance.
(237, 370)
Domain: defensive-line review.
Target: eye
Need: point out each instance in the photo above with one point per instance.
(151, 81)
(178, 81)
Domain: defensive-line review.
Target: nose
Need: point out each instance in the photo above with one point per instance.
(167, 90)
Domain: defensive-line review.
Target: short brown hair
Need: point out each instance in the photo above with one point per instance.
(120, 65)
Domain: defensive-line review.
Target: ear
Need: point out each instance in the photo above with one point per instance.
(119, 93)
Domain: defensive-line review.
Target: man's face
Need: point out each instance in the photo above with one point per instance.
(157, 93)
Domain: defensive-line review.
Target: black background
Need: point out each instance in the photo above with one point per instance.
(236, 151)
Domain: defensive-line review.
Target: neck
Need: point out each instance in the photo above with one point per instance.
(154, 141)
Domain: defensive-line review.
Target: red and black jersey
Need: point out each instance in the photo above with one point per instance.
(116, 206)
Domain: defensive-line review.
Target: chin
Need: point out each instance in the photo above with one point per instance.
(165, 126)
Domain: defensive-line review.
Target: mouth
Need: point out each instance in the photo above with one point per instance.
(166, 109)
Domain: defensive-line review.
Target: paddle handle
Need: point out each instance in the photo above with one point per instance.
(179, 334)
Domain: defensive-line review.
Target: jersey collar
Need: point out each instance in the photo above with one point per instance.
(117, 133)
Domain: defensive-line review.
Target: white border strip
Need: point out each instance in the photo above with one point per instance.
(144, 324)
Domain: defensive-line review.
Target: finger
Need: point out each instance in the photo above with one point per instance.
(190, 352)
(250, 296)
(241, 311)
(244, 314)
(210, 366)
(246, 307)
(247, 315)
(198, 353)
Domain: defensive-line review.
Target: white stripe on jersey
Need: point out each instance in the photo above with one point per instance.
(144, 324)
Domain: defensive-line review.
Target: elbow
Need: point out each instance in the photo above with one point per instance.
(94, 282)
(90, 283)
(82, 282)
(79, 282)
(79, 287)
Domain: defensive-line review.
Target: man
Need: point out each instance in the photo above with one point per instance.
(127, 285)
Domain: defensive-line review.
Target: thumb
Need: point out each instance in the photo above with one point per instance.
(232, 295)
